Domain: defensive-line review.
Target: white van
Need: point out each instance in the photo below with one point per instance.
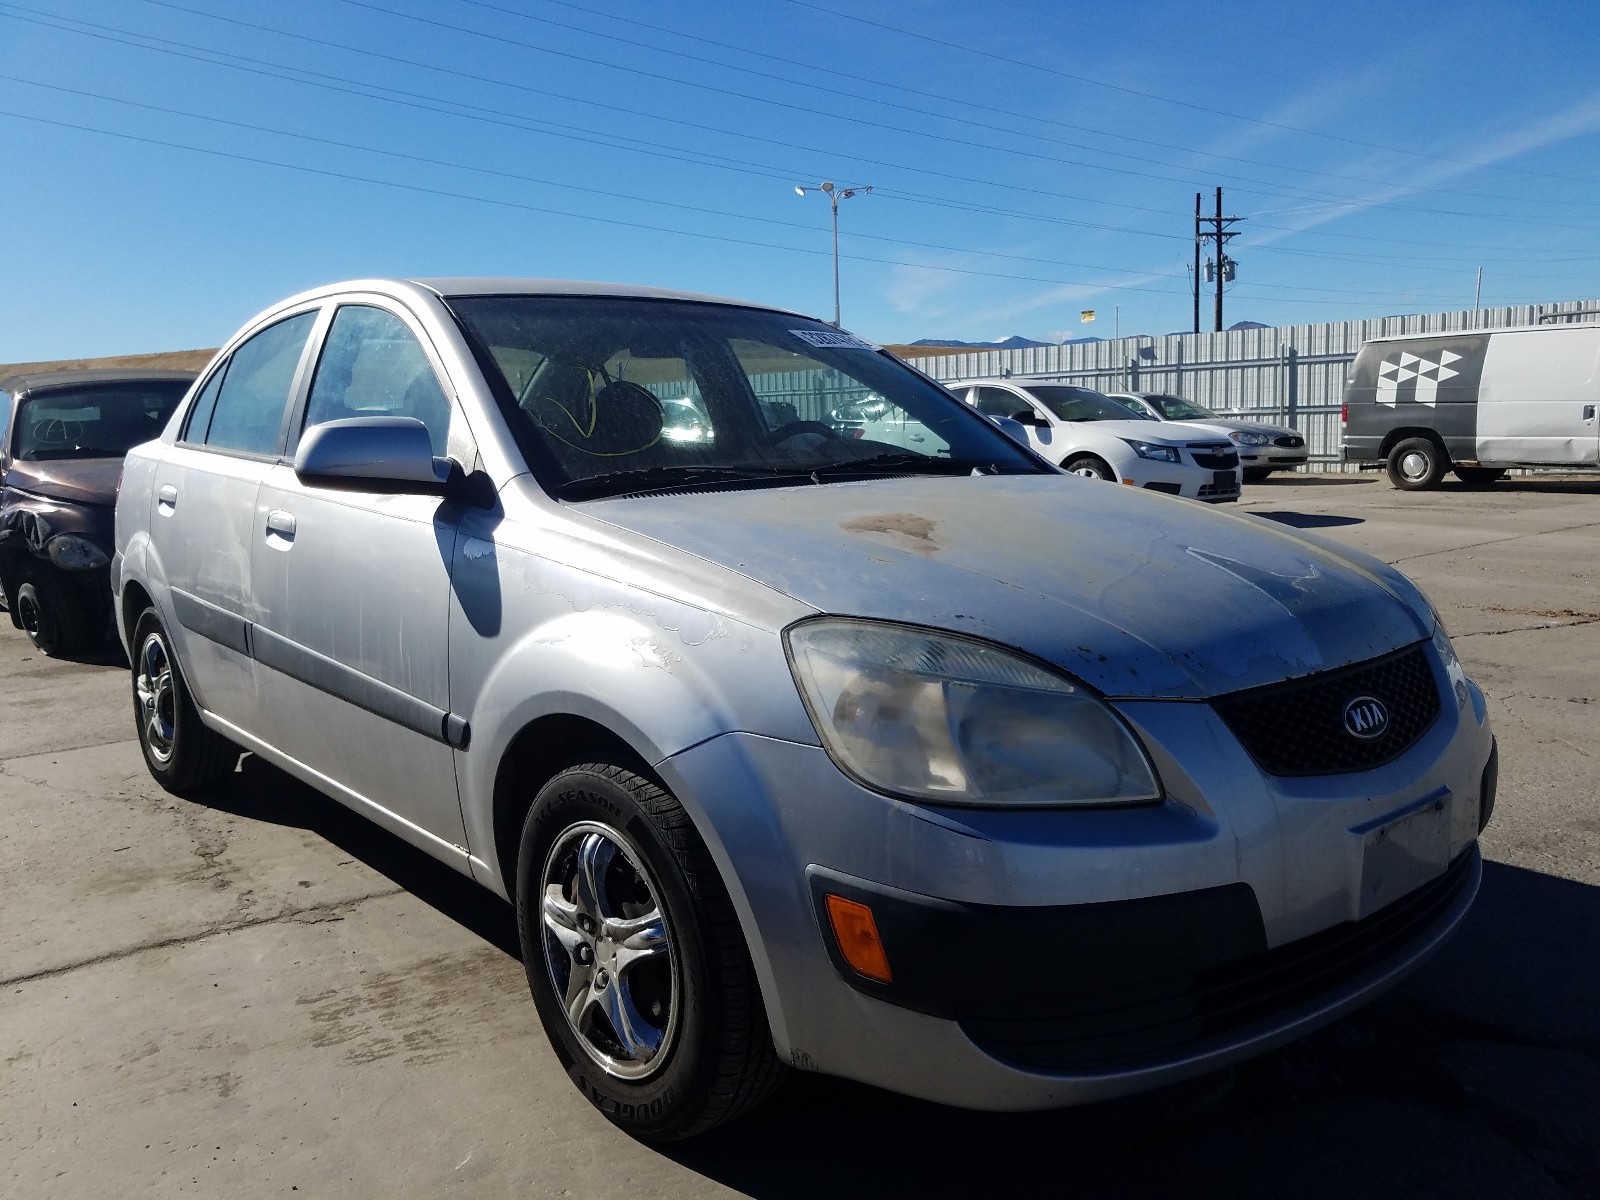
(1474, 403)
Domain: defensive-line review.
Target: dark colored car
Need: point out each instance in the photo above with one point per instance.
(63, 435)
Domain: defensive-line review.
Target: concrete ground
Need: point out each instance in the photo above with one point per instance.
(262, 995)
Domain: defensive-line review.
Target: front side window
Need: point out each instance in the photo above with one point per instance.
(997, 402)
(1176, 408)
(95, 420)
(248, 411)
(373, 366)
(612, 394)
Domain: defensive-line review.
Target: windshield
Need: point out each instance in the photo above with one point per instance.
(1176, 408)
(612, 394)
(103, 420)
(1081, 404)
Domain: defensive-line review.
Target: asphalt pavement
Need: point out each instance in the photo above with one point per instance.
(261, 994)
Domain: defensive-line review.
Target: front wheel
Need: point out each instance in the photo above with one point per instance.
(183, 755)
(1090, 467)
(1416, 464)
(635, 957)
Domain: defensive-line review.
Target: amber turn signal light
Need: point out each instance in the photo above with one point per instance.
(857, 936)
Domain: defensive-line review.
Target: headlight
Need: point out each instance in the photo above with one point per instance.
(73, 553)
(1151, 450)
(1452, 665)
(1246, 438)
(938, 717)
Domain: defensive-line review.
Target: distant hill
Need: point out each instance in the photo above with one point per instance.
(169, 360)
(1014, 342)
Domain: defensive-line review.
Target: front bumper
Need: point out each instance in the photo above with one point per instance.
(1182, 479)
(1048, 958)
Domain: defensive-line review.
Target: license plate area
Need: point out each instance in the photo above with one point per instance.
(1401, 851)
(1224, 480)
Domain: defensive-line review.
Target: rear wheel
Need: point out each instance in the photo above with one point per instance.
(1090, 467)
(1478, 477)
(183, 755)
(635, 958)
(1416, 464)
(50, 612)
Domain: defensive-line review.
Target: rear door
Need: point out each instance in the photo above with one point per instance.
(353, 592)
(204, 512)
(1537, 403)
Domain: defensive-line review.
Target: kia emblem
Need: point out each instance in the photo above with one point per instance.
(1366, 717)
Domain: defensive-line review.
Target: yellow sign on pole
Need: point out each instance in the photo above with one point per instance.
(1086, 316)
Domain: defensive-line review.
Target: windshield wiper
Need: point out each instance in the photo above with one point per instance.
(658, 479)
(900, 464)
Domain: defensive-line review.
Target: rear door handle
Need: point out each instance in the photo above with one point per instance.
(281, 523)
(1588, 412)
(167, 497)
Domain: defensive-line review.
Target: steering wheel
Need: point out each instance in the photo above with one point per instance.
(795, 428)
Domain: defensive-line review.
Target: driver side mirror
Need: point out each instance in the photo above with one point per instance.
(1027, 416)
(374, 454)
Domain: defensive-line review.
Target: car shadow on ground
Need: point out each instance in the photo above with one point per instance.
(1480, 1077)
(258, 791)
(1307, 520)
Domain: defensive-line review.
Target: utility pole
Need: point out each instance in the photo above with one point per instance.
(1223, 270)
(1197, 262)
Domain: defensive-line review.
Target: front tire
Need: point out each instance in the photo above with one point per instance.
(635, 958)
(50, 613)
(1416, 464)
(1090, 467)
(183, 755)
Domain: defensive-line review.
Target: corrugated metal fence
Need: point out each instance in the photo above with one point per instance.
(1290, 375)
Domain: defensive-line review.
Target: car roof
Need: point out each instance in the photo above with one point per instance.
(30, 381)
(1014, 381)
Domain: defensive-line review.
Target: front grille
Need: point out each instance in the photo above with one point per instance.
(1290, 441)
(1298, 728)
(1219, 489)
(1142, 1025)
(1214, 458)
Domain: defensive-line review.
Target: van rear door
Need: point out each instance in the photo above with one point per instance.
(1540, 389)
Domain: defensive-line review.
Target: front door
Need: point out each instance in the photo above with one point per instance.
(353, 596)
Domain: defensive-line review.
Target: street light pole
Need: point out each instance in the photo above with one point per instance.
(834, 194)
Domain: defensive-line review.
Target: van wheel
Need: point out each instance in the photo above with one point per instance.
(50, 613)
(1416, 464)
(183, 755)
(1478, 477)
(635, 958)
(1089, 467)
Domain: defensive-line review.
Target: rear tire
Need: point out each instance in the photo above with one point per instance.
(1416, 464)
(1478, 477)
(50, 612)
(635, 958)
(1090, 467)
(184, 756)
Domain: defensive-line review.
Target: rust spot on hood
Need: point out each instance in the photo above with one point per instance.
(905, 530)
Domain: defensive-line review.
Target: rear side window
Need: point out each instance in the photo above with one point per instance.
(372, 366)
(248, 410)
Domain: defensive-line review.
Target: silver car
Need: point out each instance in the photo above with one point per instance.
(1263, 449)
(919, 764)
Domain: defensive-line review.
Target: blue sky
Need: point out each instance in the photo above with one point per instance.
(173, 166)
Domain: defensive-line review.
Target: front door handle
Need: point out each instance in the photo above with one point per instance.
(281, 523)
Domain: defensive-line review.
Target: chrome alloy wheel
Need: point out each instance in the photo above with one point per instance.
(608, 948)
(158, 716)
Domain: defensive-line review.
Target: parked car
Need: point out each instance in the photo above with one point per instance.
(1090, 434)
(1263, 448)
(62, 438)
(1474, 403)
(922, 766)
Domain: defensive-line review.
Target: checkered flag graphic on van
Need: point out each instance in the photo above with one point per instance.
(1407, 376)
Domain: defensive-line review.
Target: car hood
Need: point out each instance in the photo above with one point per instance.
(1150, 431)
(73, 480)
(1138, 595)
